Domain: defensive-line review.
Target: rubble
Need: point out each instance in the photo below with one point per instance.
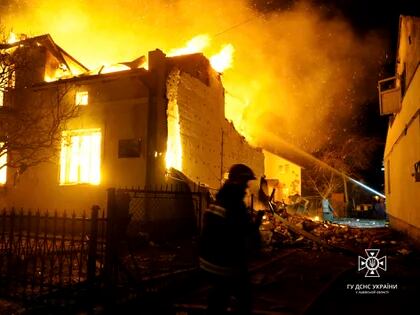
(281, 230)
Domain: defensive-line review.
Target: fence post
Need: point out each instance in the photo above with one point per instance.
(111, 260)
(9, 251)
(11, 232)
(93, 243)
(200, 212)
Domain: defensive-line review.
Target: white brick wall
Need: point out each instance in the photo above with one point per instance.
(201, 110)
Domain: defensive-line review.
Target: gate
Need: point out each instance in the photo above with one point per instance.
(159, 215)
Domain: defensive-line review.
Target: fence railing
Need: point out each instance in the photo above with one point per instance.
(168, 209)
(42, 251)
(136, 215)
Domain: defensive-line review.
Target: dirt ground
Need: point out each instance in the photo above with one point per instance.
(306, 278)
(293, 275)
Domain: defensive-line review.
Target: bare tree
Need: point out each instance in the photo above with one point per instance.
(31, 118)
(338, 161)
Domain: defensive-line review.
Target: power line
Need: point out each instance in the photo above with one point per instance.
(235, 26)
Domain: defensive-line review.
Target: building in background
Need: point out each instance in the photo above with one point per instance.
(400, 99)
(282, 175)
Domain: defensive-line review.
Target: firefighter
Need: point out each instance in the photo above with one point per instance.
(226, 243)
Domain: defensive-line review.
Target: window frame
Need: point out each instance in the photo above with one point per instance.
(72, 133)
(3, 170)
(80, 96)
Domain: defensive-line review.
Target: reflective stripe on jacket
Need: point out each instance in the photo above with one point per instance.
(217, 210)
(217, 269)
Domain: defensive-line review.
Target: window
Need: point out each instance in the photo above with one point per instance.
(1, 98)
(82, 98)
(80, 157)
(3, 170)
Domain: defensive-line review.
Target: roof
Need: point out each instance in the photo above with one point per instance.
(46, 40)
(88, 76)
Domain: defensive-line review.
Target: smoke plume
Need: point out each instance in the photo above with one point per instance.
(298, 73)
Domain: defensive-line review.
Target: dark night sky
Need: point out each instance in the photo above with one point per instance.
(382, 16)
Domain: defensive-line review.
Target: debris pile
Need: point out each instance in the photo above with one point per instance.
(281, 230)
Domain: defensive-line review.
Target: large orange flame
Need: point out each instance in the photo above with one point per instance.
(224, 59)
(12, 38)
(220, 61)
(194, 45)
(294, 69)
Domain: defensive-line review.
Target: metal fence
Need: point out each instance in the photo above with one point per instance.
(41, 252)
(44, 252)
(166, 211)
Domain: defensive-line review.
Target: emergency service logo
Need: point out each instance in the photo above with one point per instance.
(372, 263)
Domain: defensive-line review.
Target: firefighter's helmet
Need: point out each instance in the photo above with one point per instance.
(241, 172)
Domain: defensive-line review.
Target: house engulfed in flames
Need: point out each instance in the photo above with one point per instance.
(135, 121)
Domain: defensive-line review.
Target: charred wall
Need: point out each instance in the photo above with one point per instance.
(201, 116)
(237, 150)
(210, 144)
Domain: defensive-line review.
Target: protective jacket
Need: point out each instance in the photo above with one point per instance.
(228, 233)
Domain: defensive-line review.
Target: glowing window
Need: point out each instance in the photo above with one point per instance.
(82, 98)
(3, 169)
(1, 98)
(80, 158)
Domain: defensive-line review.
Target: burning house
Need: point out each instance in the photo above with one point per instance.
(127, 126)
(282, 175)
(399, 97)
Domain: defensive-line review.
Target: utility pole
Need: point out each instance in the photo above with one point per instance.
(346, 194)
